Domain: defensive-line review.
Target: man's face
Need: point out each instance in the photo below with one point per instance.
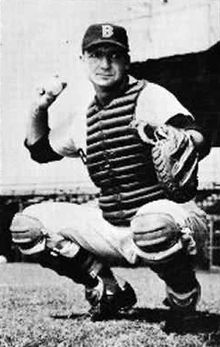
(106, 65)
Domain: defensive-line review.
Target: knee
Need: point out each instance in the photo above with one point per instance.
(156, 235)
(32, 237)
(28, 233)
(154, 232)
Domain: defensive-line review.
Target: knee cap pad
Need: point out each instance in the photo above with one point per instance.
(28, 233)
(156, 235)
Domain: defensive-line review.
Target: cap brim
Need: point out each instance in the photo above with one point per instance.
(100, 42)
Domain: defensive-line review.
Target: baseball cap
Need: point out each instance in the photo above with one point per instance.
(105, 33)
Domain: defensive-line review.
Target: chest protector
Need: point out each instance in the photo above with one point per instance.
(119, 163)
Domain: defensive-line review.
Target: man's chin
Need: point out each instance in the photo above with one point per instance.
(106, 83)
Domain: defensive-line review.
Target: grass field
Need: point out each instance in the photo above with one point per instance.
(39, 308)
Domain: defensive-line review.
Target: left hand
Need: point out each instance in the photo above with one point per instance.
(175, 158)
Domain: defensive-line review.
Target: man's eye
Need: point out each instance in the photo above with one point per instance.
(95, 55)
(111, 55)
(92, 55)
(116, 55)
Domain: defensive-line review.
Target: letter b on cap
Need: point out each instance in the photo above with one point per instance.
(107, 31)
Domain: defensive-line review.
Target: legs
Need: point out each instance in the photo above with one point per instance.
(75, 241)
(53, 231)
(182, 287)
(164, 234)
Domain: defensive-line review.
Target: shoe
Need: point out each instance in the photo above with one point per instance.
(183, 302)
(182, 306)
(106, 303)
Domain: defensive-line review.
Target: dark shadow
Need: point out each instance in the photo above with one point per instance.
(199, 322)
(203, 322)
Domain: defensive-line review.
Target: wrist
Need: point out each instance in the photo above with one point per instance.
(37, 110)
(196, 137)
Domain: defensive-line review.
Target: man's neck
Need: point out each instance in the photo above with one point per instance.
(105, 95)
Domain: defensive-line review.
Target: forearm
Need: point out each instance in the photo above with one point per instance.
(197, 133)
(37, 136)
(37, 130)
(197, 137)
(37, 125)
(199, 142)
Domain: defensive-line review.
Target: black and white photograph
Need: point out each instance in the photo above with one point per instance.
(110, 173)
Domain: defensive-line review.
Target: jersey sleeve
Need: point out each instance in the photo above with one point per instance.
(62, 141)
(69, 138)
(41, 151)
(157, 106)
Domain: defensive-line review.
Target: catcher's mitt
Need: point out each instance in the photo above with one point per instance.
(175, 160)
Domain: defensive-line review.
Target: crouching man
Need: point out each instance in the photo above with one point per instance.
(142, 150)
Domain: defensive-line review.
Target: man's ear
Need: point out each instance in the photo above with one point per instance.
(82, 57)
(127, 67)
(127, 62)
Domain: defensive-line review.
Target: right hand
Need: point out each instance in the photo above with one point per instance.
(47, 93)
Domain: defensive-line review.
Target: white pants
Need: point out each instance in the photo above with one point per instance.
(70, 226)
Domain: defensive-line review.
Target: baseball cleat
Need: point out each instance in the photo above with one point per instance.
(106, 303)
(183, 302)
(182, 309)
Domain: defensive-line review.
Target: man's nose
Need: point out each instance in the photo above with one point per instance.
(105, 62)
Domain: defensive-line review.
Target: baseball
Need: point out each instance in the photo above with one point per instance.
(55, 86)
